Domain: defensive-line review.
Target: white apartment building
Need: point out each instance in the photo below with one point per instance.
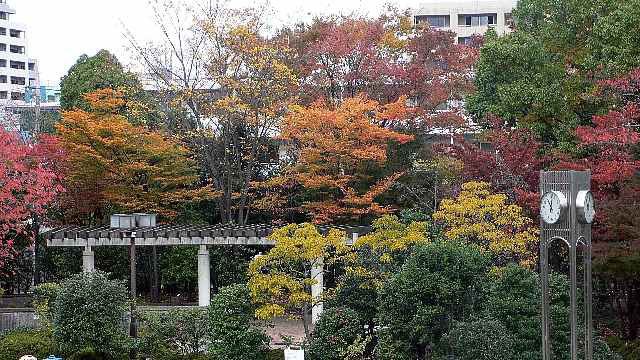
(467, 18)
(17, 70)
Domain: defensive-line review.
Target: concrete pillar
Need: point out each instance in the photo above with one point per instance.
(204, 277)
(317, 274)
(88, 260)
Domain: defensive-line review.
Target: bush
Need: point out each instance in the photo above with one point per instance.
(232, 334)
(439, 283)
(172, 335)
(44, 299)
(88, 315)
(275, 354)
(335, 331)
(18, 343)
(630, 350)
(483, 339)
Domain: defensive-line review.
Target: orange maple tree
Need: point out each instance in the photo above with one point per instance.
(339, 152)
(117, 166)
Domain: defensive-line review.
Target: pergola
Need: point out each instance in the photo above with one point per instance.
(88, 237)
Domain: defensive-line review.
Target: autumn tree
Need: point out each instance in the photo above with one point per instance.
(608, 148)
(234, 85)
(337, 151)
(510, 160)
(29, 183)
(280, 281)
(114, 164)
(481, 217)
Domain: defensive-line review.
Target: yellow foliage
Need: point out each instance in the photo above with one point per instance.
(484, 218)
(280, 281)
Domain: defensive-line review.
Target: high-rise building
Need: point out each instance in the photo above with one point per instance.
(17, 70)
(467, 18)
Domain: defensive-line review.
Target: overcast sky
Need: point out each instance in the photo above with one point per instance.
(59, 31)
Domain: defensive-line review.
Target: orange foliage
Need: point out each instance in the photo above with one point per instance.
(336, 151)
(117, 166)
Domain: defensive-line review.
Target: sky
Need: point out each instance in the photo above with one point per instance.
(59, 31)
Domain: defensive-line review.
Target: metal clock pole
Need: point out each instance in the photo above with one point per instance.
(566, 213)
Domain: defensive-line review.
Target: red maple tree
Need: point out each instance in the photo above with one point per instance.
(28, 185)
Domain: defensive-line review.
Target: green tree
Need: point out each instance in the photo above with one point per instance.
(481, 340)
(519, 81)
(613, 40)
(88, 315)
(104, 71)
(232, 331)
(438, 284)
(175, 334)
(336, 330)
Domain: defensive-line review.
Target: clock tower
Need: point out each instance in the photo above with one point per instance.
(566, 213)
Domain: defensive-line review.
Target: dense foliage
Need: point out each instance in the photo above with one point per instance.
(232, 332)
(89, 314)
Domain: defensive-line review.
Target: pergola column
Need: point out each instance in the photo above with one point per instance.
(88, 260)
(204, 277)
(317, 274)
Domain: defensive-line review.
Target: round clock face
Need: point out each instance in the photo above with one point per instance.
(552, 206)
(585, 207)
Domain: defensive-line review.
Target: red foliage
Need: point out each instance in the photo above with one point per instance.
(610, 144)
(511, 164)
(28, 185)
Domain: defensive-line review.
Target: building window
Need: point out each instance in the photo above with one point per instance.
(19, 65)
(15, 80)
(15, 33)
(3, 79)
(3, 95)
(3, 31)
(16, 49)
(477, 20)
(17, 96)
(436, 21)
(32, 66)
(3, 63)
(3, 15)
(3, 47)
(465, 40)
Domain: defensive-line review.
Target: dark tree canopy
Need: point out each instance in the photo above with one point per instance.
(90, 73)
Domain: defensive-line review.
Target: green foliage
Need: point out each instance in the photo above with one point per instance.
(18, 343)
(179, 268)
(275, 354)
(89, 355)
(614, 39)
(335, 331)
(91, 73)
(519, 81)
(232, 333)
(630, 350)
(174, 335)
(438, 284)
(88, 315)
(482, 340)
(44, 299)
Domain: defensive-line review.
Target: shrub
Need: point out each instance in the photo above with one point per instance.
(232, 334)
(483, 339)
(88, 315)
(18, 343)
(275, 354)
(335, 331)
(44, 299)
(439, 283)
(176, 334)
